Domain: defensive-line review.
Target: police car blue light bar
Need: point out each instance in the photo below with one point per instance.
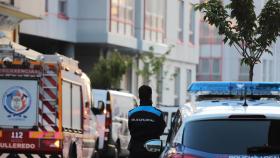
(235, 88)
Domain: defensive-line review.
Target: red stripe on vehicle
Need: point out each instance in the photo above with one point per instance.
(49, 121)
(49, 106)
(51, 80)
(41, 127)
(50, 93)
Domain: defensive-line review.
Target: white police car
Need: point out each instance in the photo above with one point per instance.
(244, 125)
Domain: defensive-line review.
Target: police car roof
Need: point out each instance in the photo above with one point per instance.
(269, 110)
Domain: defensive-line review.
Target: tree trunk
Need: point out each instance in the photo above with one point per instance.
(251, 72)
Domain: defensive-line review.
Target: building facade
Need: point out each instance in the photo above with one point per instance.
(18, 11)
(220, 62)
(87, 29)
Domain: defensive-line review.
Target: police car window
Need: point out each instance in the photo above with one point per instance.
(175, 126)
(232, 136)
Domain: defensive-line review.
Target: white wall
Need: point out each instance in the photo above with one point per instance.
(33, 7)
(183, 56)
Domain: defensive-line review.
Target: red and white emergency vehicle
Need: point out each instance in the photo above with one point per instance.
(45, 103)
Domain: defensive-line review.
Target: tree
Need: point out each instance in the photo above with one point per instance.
(251, 35)
(152, 63)
(107, 72)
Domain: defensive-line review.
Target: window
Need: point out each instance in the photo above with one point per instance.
(46, 5)
(71, 105)
(189, 81)
(270, 71)
(8, 2)
(154, 24)
(237, 137)
(264, 70)
(267, 66)
(62, 7)
(76, 107)
(189, 77)
(216, 69)
(175, 125)
(12, 2)
(122, 17)
(244, 72)
(181, 21)
(177, 86)
(209, 69)
(192, 24)
(203, 69)
(66, 104)
(208, 34)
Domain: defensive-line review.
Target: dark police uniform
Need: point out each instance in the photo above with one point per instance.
(145, 122)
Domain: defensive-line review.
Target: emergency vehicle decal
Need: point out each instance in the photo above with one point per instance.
(16, 101)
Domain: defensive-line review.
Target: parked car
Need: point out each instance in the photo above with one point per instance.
(247, 124)
(111, 111)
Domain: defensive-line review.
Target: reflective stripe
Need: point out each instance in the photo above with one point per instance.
(150, 109)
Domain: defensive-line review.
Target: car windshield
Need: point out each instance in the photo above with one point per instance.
(232, 136)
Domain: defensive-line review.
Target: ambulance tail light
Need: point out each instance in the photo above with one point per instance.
(57, 143)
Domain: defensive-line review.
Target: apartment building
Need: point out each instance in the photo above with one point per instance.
(220, 62)
(86, 29)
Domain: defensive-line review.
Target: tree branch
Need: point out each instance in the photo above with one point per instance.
(239, 52)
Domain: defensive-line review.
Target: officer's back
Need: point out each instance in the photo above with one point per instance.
(145, 122)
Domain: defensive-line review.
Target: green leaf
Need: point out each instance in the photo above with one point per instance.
(108, 72)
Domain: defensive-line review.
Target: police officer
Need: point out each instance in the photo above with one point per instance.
(145, 122)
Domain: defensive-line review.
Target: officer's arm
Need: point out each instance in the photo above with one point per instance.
(129, 124)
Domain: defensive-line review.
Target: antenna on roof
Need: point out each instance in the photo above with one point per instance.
(245, 98)
(243, 86)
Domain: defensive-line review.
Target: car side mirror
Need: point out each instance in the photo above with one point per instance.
(99, 109)
(154, 145)
(95, 111)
